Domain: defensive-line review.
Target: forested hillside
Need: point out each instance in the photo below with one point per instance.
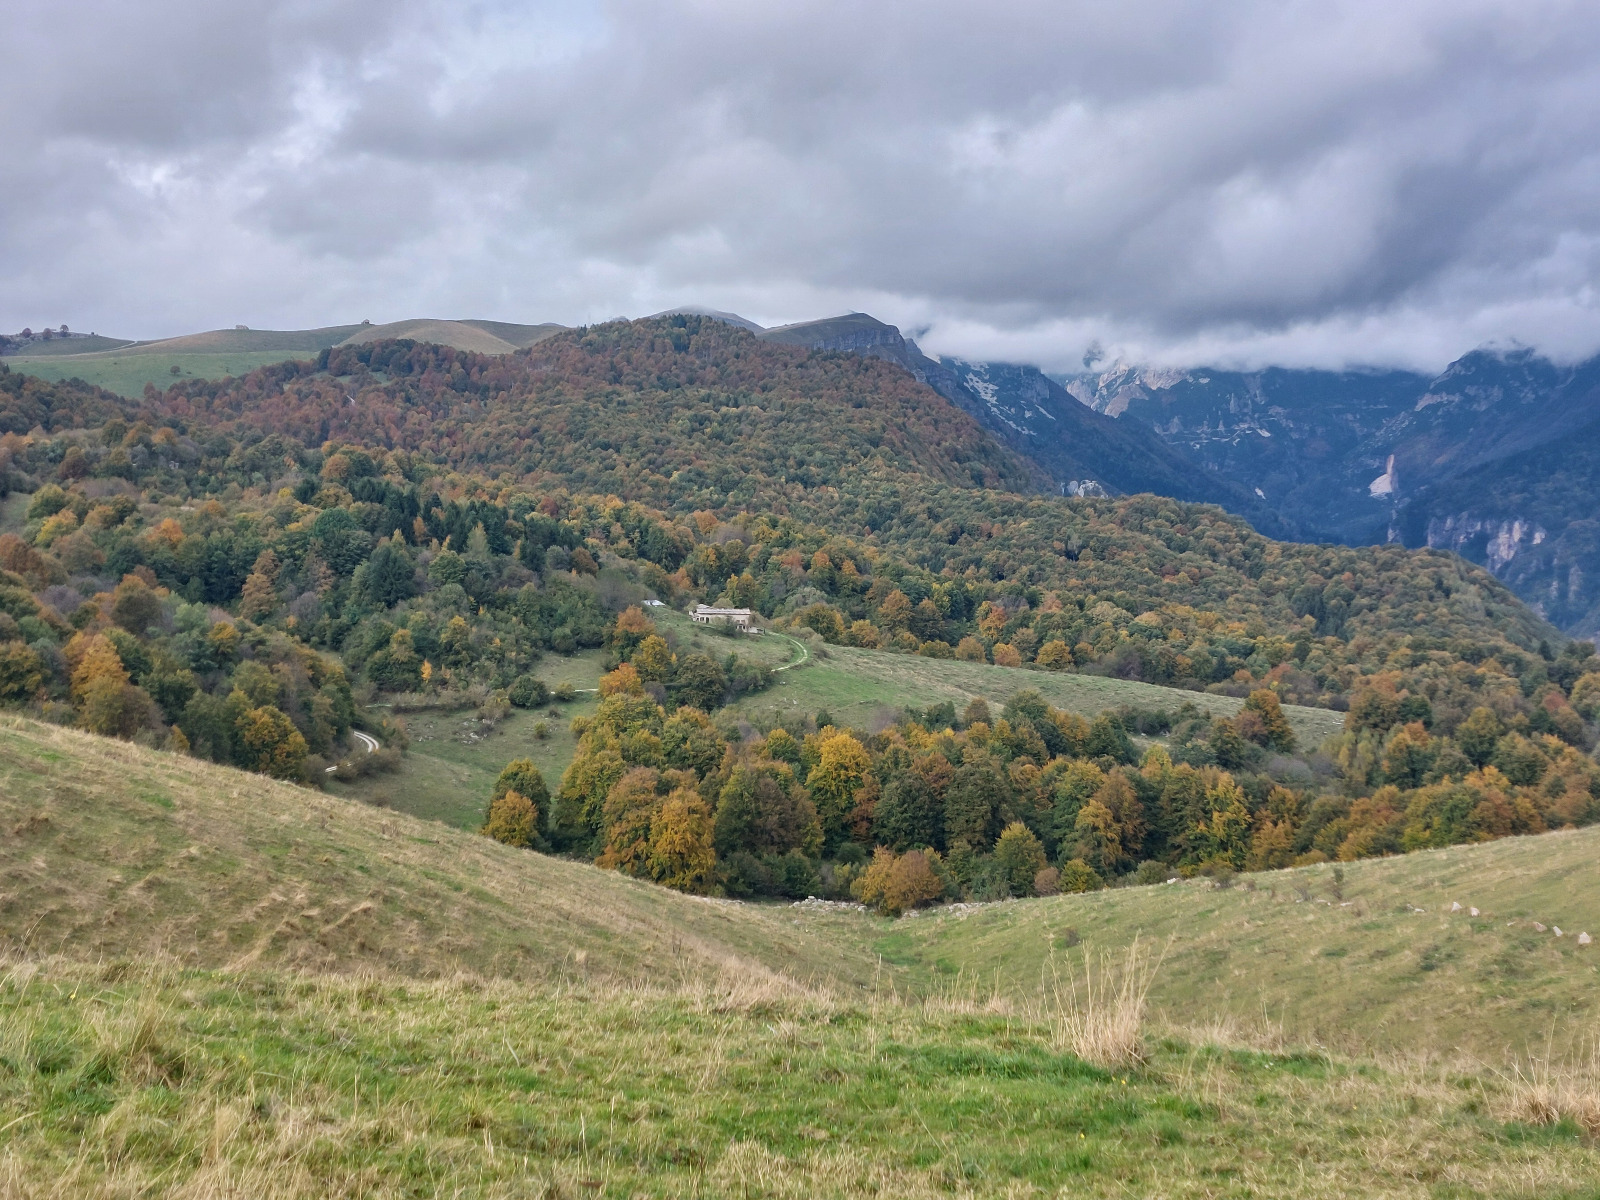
(247, 570)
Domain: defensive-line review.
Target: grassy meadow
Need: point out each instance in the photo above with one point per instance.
(1369, 959)
(212, 984)
(142, 1081)
(860, 686)
(127, 371)
(448, 772)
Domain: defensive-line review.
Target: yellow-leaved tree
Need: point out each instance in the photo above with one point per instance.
(630, 809)
(517, 805)
(895, 883)
(512, 819)
(682, 854)
(269, 743)
(842, 765)
(108, 704)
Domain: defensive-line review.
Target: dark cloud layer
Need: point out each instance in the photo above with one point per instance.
(1388, 181)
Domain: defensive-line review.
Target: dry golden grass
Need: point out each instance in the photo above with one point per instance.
(1550, 1091)
(1100, 1015)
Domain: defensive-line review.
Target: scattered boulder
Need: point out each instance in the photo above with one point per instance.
(1538, 928)
(1473, 911)
(1584, 939)
(1558, 930)
(1455, 907)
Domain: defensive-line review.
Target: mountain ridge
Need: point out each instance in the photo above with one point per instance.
(1084, 453)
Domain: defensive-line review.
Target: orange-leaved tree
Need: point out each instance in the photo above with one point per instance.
(895, 883)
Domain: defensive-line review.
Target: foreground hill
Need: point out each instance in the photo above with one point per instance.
(214, 984)
(113, 851)
(1373, 957)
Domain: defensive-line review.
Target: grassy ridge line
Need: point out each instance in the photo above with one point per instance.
(221, 353)
(855, 684)
(267, 1084)
(1353, 965)
(126, 373)
(112, 850)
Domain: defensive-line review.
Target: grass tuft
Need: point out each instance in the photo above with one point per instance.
(1545, 1092)
(1101, 1020)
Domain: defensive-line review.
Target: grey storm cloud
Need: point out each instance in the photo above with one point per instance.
(1381, 181)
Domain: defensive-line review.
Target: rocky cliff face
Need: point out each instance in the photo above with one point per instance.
(1533, 518)
(1297, 440)
(1494, 543)
(1084, 452)
(1489, 458)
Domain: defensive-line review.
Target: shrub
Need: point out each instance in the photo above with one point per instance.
(528, 692)
(1078, 876)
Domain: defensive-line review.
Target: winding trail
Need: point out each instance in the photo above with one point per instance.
(805, 655)
(366, 739)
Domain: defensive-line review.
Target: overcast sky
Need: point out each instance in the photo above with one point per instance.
(1385, 181)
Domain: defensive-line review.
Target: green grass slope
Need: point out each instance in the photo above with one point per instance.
(179, 1015)
(283, 342)
(1379, 961)
(127, 367)
(110, 850)
(859, 686)
(216, 354)
(127, 373)
(204, 1084)
(57, 347)
(449, 771)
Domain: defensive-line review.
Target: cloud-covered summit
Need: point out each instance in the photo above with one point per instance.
(1389, 180)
